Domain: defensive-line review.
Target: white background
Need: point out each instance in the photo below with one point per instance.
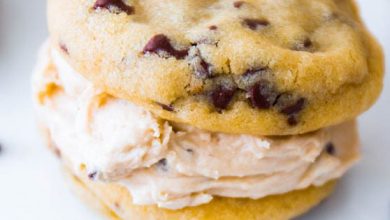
(31, 183)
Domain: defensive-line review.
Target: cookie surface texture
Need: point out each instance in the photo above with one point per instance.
(261, 67)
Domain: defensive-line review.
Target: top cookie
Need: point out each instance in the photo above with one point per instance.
(260, 67)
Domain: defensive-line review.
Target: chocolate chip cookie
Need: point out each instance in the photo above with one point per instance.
(258, 67)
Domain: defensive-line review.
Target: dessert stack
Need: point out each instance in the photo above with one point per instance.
(205, 109)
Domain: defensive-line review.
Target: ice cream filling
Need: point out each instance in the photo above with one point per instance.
(175, 165)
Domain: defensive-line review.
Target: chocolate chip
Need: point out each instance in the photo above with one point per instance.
(190, 150)
(213, 27)
(64, 48)
(306, 45)
(222, 96)
(108, 4)
(290, 105)
(262, 95)
(238, 4)
(161, 43)
(166, 107)
(292, 120)
(330, 149)
(295, 108)
(92, 175)
(255, 24)
(163, 164)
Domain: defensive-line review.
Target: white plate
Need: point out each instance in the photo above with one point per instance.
(31, 184)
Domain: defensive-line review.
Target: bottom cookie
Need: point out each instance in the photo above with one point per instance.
(115, 202)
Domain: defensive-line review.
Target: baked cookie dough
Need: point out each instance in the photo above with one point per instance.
(116, 203)
(258, 67)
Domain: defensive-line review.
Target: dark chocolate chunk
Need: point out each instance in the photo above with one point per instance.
(166, 107)
(262, 95)
(306, 45)
(64, 48)
(107, 4)
(290, 105)
(160, 43)
(213, 27)
(190, 150)
(222, 96)
(292, 120)
(163, 164)
(92, 175)
(330, 149)
(295, 108)
(238, 4)
(255, 24)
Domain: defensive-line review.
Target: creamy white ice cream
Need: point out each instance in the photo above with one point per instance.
(175, 165)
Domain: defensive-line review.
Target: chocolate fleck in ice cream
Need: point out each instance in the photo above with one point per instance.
(205, 109)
